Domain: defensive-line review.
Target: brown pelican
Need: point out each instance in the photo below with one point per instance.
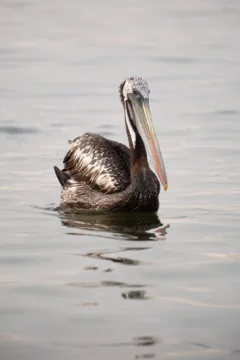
(101, 174)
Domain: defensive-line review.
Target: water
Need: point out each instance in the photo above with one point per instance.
(104, 286)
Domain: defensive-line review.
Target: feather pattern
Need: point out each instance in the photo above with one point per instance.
(103, 164)
(96, 176)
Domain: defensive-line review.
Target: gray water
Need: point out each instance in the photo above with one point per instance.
(117, 286)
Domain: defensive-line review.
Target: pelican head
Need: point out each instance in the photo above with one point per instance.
(134, 93)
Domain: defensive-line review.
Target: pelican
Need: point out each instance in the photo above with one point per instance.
(101, 174)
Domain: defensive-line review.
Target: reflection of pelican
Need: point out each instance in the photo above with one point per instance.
(101, 174)
(135, 226)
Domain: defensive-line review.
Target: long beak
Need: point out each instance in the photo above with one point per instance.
(146, 130)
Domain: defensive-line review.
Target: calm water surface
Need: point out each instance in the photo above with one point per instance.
(111, 286)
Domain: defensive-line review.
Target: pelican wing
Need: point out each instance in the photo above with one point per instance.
(102, 164)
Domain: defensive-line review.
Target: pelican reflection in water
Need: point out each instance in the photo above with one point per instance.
(101, 174)
(136, 226)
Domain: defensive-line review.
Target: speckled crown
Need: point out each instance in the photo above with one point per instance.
(131, 84)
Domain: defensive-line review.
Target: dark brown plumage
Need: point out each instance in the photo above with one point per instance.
(101, 174)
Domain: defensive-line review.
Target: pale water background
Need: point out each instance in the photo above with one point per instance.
(111, 286)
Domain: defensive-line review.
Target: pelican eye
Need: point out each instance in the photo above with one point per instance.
(137, 95)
